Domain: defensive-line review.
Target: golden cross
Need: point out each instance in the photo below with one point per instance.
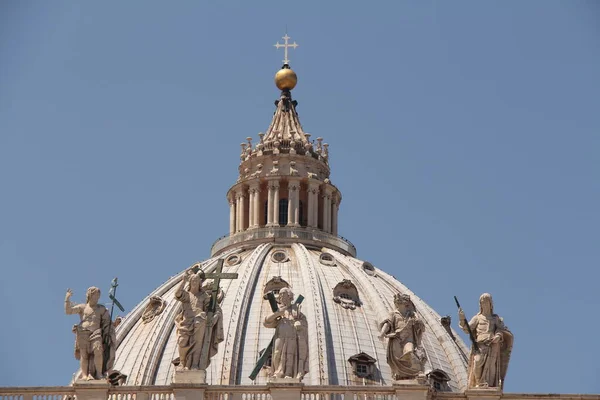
(285, 46)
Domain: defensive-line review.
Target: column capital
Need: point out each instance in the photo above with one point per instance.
(254, 185)
(313, 184)
(328, 189)
(336, 198)
(273, 183)
(231, 196)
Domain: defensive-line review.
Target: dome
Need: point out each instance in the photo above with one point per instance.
(341, 325)
(283, 232)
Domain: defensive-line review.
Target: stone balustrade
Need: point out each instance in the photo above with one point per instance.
(284, 235)
(100, 391)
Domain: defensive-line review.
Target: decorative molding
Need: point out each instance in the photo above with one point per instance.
(155, 307)
(346, 295)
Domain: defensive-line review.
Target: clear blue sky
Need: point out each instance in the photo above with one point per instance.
(464, 136)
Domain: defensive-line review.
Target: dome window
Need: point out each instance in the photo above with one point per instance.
(362, 369)
(279, 256)
(438, 380)
(345, 294)
(327, 259)
(368, 268)
(274, 285)
(232, 260)
(363, 365)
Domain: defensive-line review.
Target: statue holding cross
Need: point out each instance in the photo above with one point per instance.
(200, 321)
(289, 347)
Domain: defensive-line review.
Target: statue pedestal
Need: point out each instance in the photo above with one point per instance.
(412, 389)
(284, 381)
(96, 389)
(285, 389)
(196, 376)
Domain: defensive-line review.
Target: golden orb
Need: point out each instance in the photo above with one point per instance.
(286, 79)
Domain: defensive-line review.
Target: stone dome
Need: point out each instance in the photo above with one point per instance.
(341, 325)
(283, 233)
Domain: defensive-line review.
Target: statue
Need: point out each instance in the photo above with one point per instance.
(196, 323)
(490, 354)
(95, 339)
(404, 330)
(290, 346)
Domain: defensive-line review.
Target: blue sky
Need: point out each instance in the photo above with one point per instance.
(463, 135)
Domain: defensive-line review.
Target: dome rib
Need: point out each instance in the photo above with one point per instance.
(317, 346)
(240, 313)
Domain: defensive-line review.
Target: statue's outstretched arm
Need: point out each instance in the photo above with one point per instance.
(180, 293)
(69, 307)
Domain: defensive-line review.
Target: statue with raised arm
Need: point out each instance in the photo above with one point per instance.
(489, 362)
(93, 333)
(195, 323)
(404, 330)
(290, 345)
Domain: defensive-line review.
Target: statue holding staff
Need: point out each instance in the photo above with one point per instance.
(491, 348)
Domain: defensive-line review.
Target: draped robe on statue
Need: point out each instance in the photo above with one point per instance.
(405, 355)
(290, 349)
(192, 327)
(488, 367)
